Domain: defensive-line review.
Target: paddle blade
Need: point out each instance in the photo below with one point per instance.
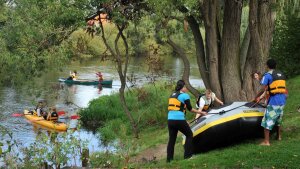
(75, 117)
(60, 113)
(17, 115)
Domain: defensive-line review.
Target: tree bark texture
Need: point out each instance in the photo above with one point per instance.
(200, 52)
(261, 26)
(244, 50)
(209, 10)
(230, 69)
(266, 24)
(186, 72)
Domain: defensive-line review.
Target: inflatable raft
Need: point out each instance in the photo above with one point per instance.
(86, 82)
(227, 125)
(45, 123)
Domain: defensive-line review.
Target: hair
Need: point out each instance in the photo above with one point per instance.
(53, 109)
(257, 72)
(208, 91)
(75, 71)
(180, 84)
(271, 63)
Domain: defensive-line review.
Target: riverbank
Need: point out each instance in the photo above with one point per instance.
(149, 150)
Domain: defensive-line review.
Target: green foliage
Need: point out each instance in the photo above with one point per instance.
(32, 33)
(285, 48)
(54, 149)
(101, 110)
(8, 145)
(105, 160)
(145, 104)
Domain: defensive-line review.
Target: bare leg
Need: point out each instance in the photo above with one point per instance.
(279, 133)
(266, 141)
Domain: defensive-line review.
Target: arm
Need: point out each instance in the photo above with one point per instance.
(263, 90)
(219, 101)
(189, 107)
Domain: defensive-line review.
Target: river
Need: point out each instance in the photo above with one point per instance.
(72, 98)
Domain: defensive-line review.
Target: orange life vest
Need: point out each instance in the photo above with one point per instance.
(279, 83)
(175, 104)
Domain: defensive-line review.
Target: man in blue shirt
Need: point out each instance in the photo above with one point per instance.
(274, 81)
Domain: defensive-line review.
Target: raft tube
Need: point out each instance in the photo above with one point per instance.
(226, 126)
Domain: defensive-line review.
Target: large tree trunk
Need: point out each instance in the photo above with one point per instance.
(209, 10)
(200, 53)
(244, 50)
(230, 74)
(254, 53)
(266, 24)
(261, 26)
(186, 72)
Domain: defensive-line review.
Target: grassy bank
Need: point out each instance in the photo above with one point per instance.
(281, 154)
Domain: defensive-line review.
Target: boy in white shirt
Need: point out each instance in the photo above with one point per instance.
(205, 101)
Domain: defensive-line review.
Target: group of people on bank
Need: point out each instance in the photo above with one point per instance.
(273, 84)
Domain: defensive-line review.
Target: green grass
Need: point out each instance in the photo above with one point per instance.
(281, 154)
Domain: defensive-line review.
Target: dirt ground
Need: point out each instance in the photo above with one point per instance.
(150, 155)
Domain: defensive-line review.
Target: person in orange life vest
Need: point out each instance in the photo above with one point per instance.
(179, 101)
(274, 81)
(205, 102)
(53, 115)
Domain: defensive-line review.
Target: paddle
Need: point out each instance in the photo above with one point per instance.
(73, 117)
(60, 113)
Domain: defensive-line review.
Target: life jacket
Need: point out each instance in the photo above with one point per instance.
(279, 83)
(175, 104)
(34, 112)
(74, 77)
(53, 116)
(206, 106)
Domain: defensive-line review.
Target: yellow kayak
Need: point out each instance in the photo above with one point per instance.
(41, 121)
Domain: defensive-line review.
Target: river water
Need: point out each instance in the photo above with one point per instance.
(71, 98)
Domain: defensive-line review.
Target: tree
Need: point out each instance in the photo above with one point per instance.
(32, 33)
(219, 53)
(120, 13)
(285, 46)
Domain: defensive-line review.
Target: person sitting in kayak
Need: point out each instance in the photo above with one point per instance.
(39, 109)
(53, 116)
(73, 75)
(100, 76)
(205, 101)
